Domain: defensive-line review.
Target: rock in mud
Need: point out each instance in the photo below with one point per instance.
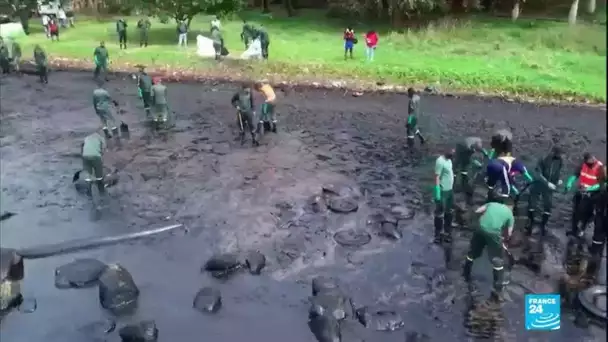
(390, 230)
(144, 331)
(323, 284)
(413, 336)
(325, 328)
(381, 320)
(117, 290)
(341, 190)
(79, 273)
(208, 300)
(316, 204)
(223, 265)
(330, 303)
(402, 212)
(343, 204)
(255, 261)
(28, 305)
(352, 238)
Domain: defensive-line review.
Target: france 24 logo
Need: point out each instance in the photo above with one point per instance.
(543, 311)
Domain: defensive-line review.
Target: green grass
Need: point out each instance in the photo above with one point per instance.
(541, 59)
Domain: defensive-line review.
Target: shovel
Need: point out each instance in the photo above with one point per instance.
(124, 130)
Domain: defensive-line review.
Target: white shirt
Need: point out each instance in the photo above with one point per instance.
(61, 14)
(45, 20)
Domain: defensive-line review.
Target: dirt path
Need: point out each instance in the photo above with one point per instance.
(236, 198)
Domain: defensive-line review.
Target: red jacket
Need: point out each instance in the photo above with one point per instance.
(53, 27)
(371, 39)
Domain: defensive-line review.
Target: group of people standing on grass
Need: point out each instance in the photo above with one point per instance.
(350, 40)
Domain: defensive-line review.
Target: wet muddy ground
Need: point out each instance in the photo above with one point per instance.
(238, 199)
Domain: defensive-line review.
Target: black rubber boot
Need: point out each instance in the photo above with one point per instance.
(543, 224)
(115, 132)
(438, 229)
(497, 291)
(242, 136)
(530, 223)
(106, 132)
(273, 127)
(410, 142)
(447, 227)
(254, 139)
(260, 129)
(466, 270)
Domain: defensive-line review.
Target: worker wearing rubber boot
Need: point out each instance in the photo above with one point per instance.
(159, 103)
(102, 59)
(267, 112)
(243, 102)
(93, 149)
(444, 197)
(218, 42)
(413, 110)
(495, 228)
(144, 90)
(587, 199)
(465, 161)
(102, 103)
(600, 233)
(548, 171)
(41, 64)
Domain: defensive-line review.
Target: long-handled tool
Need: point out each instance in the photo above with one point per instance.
(242, 132)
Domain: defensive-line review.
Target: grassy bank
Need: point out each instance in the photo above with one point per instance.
(542, 58)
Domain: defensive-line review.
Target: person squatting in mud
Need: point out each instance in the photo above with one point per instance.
(242, 100)
(93, 148)
(587, 200)
(159, 103)
(465, 162)
(495, 227)
(548, 171)
(102, 104)
(267, 113)
(144, 90)
(443, 194)
(413, 110)
(102, 59)
(501, 171)
(41, 64)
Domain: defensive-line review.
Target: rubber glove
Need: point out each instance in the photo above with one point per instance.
(140, 93)
(491, 154)
(592, 188)
(477, 163)
(514, 190)
(570, 182)
(528, 177)
(551, 186)
(437, 193)
(96, 60)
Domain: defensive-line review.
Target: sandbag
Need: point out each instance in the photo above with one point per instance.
(79, 273)
(208, 300)
(221, 262)
(255, 261)
(144, 331)
(117, 290)
(343, 204)
(390, 230)
(323, 284)
(331, 303)
(254, 51)
(325, 328)
(352, 238)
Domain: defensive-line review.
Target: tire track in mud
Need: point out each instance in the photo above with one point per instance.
(238, 198)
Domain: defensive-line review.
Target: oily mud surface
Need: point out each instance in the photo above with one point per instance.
(270, 199)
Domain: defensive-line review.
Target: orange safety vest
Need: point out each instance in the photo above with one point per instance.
(589, 175)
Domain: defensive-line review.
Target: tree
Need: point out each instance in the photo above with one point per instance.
(573, 13)
(187, 9)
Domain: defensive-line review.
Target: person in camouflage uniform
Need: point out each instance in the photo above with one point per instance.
(102, 59)
(242, 100)
(121, 29)
(144, 28)
(159, 102)
(247, 34)
(15, 54)
(413, 111)
(465, 161)
(4, 57)
(144, 89)
(262, 34)
(218, 42)
(41, 64)
(102, 103)
(93, 148)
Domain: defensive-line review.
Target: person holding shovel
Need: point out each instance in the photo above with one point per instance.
(268, 114)
(102, 104)
(41, 64)
(144, 90)
(218, 42)
(102, 59)
(243, 102)
(159, 102)
(93, 149)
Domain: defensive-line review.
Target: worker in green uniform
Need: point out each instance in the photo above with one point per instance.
(41, 64)
(15, 54)
(413, 110)
(548, 171)
(102, 103)
(444, 197)
(4, 57)
(144, 26)
(247, 34)
(262, 34)
(121, 29)
(218, 42)
(243, 102)
(465, 161)
(144, 89)
(495, 227)
(159, 102)
(102, 59)
(93, 149)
